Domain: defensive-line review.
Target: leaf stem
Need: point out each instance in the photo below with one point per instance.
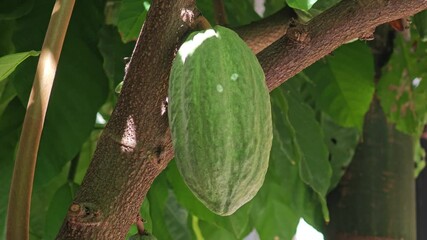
(202, 23)
(18, 217)
(220, 14)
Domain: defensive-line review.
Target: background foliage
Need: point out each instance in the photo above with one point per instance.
(318, 116)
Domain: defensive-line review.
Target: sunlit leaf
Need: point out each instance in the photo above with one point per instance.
(9, 62)
(319, 7)
(343, 84)
(301, 4)
(132, 15)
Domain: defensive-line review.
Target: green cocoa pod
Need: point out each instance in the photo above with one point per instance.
(220, 119)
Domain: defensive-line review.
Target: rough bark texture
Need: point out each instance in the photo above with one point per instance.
(269, 29)
(350, 19)
(135, 145)
(131, 150)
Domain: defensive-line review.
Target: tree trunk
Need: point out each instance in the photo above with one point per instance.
(422, 206)
(376, 197)
(421, 192)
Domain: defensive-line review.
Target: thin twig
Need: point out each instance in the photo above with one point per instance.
(18, 217)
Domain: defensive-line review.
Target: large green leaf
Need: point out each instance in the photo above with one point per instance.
(403, 88)
(343, 84)
(58, 209)
(210, 231)
(238, 12)
(12, 9)
(85, 155)
(314, 166)
(420, 21)
(10, 128)
(176, 218)
(236, 224)
(132, 15)
(41, 197)
(283, 186)
(316, 9)
(271, 6)
(113, 51)
(273, 215)
(6, 44)
(341, 143)
(9, 62)
(301, 4)
(157, 196)
(80, 83)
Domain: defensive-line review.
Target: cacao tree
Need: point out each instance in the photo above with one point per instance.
(347, 104)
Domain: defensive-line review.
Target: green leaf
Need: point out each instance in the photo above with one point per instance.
(319, 7)
(10, 128)
(132, 15)
(7, 94)
(80, 87)
(212, 232)
(176, 218)
(236, 224)
(113, 51)
(9, 62)
(273, 215)
(145, 214)
(158, 196)
(11, 9)
(238, 12)
(85, 155)
(58, 209)
(344, 84)
(315, 169)
(6, 29)
(301, 4)
(270, 7)
(341, 143)
(420, 21)
(283, 187)
(403, 88)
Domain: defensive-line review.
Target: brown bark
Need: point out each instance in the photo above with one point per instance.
(131, 151)
(135, 146)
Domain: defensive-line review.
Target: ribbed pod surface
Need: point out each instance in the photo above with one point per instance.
(220, 118)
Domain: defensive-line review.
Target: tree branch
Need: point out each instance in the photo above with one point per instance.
(135, 145)
(305, 44)
(260, 34)
(130, 151)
